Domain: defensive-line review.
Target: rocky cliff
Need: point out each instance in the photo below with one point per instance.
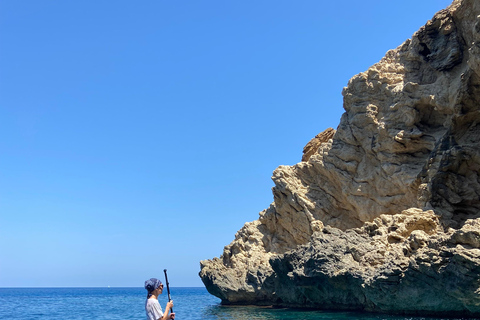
(382, 214)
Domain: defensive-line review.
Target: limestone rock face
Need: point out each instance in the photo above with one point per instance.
(312, 146)
(382, 214)
(399, 263)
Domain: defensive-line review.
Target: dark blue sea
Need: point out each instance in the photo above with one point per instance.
(128, 303)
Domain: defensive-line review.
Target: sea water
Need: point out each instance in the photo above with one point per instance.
(128, 303)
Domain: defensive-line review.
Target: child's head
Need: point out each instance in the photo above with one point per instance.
(153, 284)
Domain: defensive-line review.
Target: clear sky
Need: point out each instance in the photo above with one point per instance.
(141, 135)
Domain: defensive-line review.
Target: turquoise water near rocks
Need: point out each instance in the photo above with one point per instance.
(128, 303)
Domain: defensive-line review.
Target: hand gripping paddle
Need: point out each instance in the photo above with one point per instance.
(168, 288)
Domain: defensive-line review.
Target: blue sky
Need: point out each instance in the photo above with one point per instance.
(141, 135)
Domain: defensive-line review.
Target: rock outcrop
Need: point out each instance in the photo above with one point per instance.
(382, 214)
(312, 146)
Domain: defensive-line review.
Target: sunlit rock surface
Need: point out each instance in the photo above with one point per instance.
(382, 214)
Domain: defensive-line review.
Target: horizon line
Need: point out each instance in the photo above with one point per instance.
(86, 287)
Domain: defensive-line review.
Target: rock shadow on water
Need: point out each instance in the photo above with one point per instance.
(237, 312)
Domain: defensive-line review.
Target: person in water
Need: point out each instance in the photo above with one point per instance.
(152, 306)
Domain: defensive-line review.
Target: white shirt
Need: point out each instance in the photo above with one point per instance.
(153, 309)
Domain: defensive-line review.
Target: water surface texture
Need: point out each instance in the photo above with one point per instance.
(128, 303)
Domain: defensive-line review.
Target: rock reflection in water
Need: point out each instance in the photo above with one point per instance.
(219, 312)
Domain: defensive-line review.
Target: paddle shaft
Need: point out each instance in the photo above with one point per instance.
(168, 287)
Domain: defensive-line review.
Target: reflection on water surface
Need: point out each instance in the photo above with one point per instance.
(219, 312)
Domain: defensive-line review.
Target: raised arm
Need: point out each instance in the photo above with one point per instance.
(166, 314)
